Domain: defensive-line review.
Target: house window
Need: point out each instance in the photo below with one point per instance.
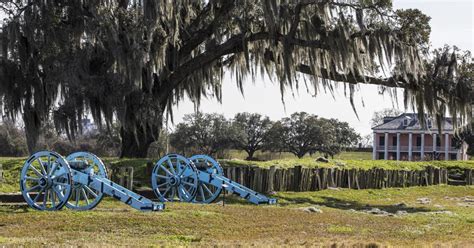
(430, 124)
(453, 157)
(381, 141)
(418, 141)
(438, 141)
(394, 141)
(393, 156)
(381, 155)
(405, 122)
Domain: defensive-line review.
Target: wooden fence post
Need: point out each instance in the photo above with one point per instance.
(468, 176)
(271, 178)
(149, 167)
(120, 174)
(130, 178)
(296, 178)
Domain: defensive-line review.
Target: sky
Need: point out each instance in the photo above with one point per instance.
(451, 23)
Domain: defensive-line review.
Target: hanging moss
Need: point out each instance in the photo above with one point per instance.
(130, 61)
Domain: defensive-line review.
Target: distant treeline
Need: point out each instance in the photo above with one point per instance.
(213, 134)
(299, 134)
(13, 141)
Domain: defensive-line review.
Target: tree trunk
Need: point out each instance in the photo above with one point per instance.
(136, 146)
(32, 127)
(250, 154)
(300, 154)
(140, 126)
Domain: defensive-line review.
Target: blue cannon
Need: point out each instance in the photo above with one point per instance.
(80, 181)
(198, 179)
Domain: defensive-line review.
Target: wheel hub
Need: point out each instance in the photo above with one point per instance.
(42, 182)
(174, 181)
(45, 182)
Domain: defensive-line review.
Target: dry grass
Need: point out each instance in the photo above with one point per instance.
(238, 223)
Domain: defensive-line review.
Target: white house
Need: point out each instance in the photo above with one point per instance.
(403, 138)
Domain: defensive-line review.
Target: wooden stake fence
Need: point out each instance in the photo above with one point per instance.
(312, 179)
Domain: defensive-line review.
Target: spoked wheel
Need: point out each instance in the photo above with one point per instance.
(174, 177)
(207, 193)
(45, 181)
(82, 196)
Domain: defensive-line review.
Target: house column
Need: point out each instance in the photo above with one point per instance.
(410, 147)
(398, 146)
(374, 147)
(386, 147)
(422, 148)
(434, 143)
(446, 146)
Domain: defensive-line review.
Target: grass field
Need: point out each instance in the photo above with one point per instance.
(350, 163)
(447, 220)
(259, 155)
(347, 216)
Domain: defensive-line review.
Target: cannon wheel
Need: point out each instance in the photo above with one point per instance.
(46, 181)
(207, 193)
(174, 177)
(82, 196)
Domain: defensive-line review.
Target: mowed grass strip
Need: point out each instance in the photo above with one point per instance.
(364, 164)
(445, 220)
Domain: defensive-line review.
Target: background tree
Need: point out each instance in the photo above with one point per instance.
(109, 140)
(12, 140)
(160, 147)
(299, 134)
(340, 137)
(377, 117)
(180, 139)
(345, 135)
(202, 133)
(130, 61)
(250, 131)
(273, 140)
(302, 134)
(367, 141)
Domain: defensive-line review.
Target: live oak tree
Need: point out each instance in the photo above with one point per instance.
(202, 133)
(303, 133)
(299, 134)
(129, 61)
(341, 136)
(249, 132)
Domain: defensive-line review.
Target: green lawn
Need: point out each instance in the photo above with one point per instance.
(448, 220)
(352, 163)
(236, 154)
(11, 174)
